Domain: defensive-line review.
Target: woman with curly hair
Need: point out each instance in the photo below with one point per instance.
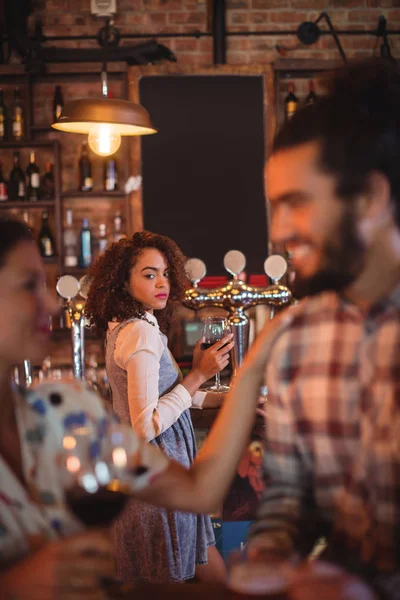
(134, 287)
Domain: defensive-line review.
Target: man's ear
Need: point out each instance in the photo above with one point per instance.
(374, 208)
(376, 200)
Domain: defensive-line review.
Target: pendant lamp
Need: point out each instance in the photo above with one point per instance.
(104, 120)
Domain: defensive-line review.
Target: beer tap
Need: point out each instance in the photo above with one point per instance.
(236, 296)
(69, 287)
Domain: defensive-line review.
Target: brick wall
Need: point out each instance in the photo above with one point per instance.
(65, 17)
(72, 17)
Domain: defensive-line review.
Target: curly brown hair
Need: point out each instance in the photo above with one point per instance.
(109, 298)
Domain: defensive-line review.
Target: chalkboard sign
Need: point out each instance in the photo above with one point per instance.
(203, 172)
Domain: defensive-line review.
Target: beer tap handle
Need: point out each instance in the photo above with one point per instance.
(68, 288)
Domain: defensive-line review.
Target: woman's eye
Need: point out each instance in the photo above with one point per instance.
(150, 276)
(166, 274)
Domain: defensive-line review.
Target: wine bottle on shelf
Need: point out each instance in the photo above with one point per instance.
(101, 241)
(110, 175)
(85, 245)
(27, 220)
(3, 118)
(117, 233)
(85, 170)
(17, 116)
(291, 102)
(47, 189)
(46, 243)
(16, 185)
(58, 103)
(3, 185)
(33, 176)
(70, 241)
(312, 97)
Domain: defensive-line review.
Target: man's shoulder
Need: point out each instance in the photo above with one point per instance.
(310, 310)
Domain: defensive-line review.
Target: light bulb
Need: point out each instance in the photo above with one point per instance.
(104, 139)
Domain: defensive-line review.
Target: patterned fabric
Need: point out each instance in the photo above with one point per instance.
(31, 515)
(332, 460)
(152, 544)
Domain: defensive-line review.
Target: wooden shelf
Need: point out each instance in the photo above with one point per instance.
(297, 65)
(93, 194)
(42, 128)
(12, 70)
(39, 136)
(27, 204)
(50, 261)
(29, 144)
(76, 271)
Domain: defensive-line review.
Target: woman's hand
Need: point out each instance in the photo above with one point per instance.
(65, 569)
(213, 360)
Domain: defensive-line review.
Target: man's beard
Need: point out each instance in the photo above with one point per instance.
(344, 260)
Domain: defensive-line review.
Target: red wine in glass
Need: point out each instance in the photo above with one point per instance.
(214, 329)
(98, 509)
(207, 345)
(92, 472)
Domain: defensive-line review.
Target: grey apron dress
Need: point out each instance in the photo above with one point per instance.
(153, 544)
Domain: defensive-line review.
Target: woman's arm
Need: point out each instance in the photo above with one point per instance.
(138, 351)
(203, 487)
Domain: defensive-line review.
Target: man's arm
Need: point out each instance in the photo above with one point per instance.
(286, 474)
(202, 487)
(275, 530)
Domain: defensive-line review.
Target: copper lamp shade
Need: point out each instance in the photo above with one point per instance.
(79, 116)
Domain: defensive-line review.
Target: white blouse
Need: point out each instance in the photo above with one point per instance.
(138, 351)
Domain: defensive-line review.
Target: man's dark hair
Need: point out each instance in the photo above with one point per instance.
(357, 125)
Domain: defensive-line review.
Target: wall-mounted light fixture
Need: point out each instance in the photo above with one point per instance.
(309, 33)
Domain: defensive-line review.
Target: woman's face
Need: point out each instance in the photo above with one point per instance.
(149, 280)
(25, 306)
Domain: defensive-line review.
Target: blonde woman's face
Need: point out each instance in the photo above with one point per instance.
(149, 280)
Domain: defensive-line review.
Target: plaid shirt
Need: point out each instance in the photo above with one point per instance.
(332, 460)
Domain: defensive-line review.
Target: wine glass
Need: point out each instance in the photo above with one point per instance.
(251, 577)
(214, 329)
(97, 474)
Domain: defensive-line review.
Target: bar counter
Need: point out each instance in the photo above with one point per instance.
(338, 587)
(189, 591)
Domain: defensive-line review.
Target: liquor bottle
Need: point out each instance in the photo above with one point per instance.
(47, 189)
(70, 242)
(32, 173)
(46, 243)
(58, 103)
(85, 170)
(3, 186)
(16, 185)
(3, 118)
(27, 220)
(291, 102)
(85, 246)
(117, 233)
(102, 241)
(110, 175)
(17, 116)
(312, 96)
